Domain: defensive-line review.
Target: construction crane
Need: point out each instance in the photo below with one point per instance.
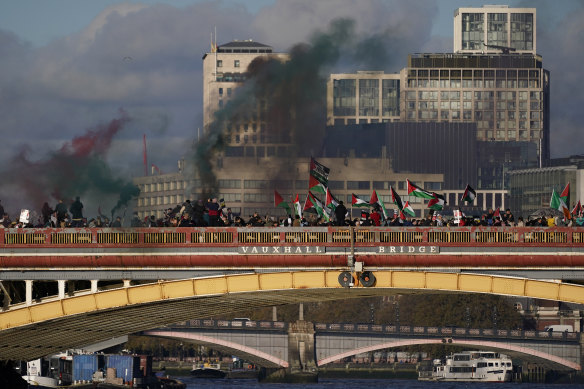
(504, 49)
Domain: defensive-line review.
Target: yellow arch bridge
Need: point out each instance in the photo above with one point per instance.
(33, 329)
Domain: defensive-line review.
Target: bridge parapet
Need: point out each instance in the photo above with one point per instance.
(219, 236)
(447, 331)
(234, 324)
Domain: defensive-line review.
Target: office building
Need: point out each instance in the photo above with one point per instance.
(225, 69)
(246, 191)
(363, 97)
(531, 189)
(495, 29)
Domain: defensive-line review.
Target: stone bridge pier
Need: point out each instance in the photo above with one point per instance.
(301, 356)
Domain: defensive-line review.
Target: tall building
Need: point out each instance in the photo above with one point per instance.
(495, 29)
(363, 97)
(506, 95)
(225, 69)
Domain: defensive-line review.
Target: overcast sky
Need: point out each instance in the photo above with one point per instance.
(69, 66)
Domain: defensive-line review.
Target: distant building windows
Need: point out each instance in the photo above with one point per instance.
(358, 185)
(219, 63)
(236, 63)
(344, 97)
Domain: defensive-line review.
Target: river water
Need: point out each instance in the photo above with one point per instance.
(363, 383)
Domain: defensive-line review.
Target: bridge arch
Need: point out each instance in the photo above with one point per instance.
(53, 325)
(249, 353)
(511, 348)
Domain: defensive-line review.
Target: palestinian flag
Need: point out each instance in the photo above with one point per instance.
(280, 203)
(357, 202)
(330, 201)
(318, 180)
(556, 202)
(408, 209)
(318, 206)
(376, 200)
(416, 191)
(396, 199)
(437, 202)
(497, 212)
(565, 195)
(469, 194)
(297, 206)
(577, 211)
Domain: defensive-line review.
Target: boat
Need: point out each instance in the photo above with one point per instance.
(171, 383)
(208, 370)
(51, 372)
(468, 366)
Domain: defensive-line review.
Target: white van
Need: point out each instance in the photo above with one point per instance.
(559, 328)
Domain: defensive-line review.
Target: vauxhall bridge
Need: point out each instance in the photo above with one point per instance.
(111, 282)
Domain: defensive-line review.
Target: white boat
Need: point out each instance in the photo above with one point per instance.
(481, 366)
(38, 375)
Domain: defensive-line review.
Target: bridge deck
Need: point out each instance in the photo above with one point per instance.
(245, 248)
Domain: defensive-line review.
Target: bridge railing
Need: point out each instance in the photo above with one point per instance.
(306, 236)
(445, 332)
(233, 324)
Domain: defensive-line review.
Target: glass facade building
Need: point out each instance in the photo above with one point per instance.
(495, 29)
(531, 189)
(363, 97)
(507, 96)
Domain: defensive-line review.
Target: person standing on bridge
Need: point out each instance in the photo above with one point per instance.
(340, 212)
(76, 210)
(61, 210)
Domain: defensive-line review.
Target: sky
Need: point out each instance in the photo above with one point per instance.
(72, 69)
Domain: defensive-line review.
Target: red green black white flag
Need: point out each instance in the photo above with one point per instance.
(414, 190)
(469, 194)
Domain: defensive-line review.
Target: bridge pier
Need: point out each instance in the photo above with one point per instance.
(301, 351)
(301, 357)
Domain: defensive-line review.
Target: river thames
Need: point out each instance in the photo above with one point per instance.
(363, 383)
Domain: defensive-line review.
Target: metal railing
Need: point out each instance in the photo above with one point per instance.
(402, 330)
(335, 236)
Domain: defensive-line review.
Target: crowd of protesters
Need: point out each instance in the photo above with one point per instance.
(214, 213)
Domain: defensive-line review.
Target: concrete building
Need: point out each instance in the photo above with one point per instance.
(495, 29)
(246, 192)
(531, 189)
(224, 70)
(363, 97)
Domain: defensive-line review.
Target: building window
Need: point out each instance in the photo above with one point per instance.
(231, 198)
(255, 184)
(219, 63)
(358, 184)
(229, 184)
(236, 63)
(220, 91)
(344, 97)
(432, 186)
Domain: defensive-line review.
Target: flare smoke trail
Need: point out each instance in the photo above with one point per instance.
(295, 90)
(76, 169)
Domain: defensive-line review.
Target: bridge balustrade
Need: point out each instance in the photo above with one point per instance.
(18, 239)
(118, 238)
(71, 237)
(339, 236)
(233, 324)
(164, 237)
(212, 237)
(401, 236)
(446, 331)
